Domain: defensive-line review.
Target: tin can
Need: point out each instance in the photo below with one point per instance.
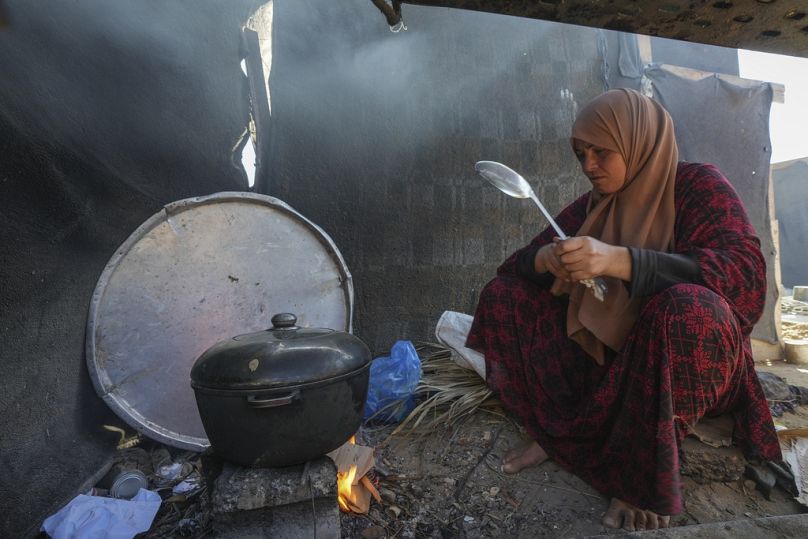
(127, 484)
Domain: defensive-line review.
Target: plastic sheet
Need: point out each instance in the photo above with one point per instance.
(393, 380)
(96, 517)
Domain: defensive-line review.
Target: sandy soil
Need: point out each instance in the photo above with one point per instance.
(447, 484)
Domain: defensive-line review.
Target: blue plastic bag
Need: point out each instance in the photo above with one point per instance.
(392, 383)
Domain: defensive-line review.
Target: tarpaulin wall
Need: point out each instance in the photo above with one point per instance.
(791, 207)
(719, 119)
(727, 124)
(108, 110)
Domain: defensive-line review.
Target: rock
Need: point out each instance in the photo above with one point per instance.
(373, 532)
(282, 503)
(244, 489)
(763, 478)
(312, 519)
(387, 495)
(707, 464)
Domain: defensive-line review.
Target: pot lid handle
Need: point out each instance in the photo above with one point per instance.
(284, 321)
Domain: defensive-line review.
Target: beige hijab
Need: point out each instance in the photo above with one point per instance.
(641, 214)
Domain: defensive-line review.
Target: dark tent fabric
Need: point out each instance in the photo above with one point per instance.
(107, 112)
(791, 207)
(732, 133)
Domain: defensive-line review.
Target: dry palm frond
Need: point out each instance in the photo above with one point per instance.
(447, 391)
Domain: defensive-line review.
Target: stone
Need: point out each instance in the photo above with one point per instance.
(706, 464)
(373, 532)
(387, 495)
(244, 489)
(317, 518)
(282, 503)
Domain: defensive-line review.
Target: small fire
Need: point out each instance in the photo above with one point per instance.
(344, 487)
(354, 488)
(345, 483)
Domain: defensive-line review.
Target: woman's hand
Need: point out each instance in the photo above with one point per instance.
(584, 257)
(547, 260)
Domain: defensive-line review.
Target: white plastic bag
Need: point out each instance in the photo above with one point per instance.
(451, 331)
(96, 517)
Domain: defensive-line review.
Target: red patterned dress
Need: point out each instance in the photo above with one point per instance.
(619, 426)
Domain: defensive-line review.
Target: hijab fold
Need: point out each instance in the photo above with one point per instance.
(641, 214)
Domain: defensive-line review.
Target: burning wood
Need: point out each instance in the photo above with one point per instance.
(354, 488)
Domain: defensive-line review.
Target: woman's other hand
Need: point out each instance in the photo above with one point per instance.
(547, 259)
(584, 257)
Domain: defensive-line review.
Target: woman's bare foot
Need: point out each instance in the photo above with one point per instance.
(629, 517)
(523, 456)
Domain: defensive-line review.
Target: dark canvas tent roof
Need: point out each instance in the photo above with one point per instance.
(763, 25)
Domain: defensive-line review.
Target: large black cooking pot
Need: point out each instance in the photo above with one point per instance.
(281, 396)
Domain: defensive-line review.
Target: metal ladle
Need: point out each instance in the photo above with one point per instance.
(513, 184)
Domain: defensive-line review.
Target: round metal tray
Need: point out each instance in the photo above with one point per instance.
(199, 271)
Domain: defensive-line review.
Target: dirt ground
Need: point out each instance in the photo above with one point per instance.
(448, 484)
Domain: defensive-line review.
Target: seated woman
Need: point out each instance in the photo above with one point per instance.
(608, 389)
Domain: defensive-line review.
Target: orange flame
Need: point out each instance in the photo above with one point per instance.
(344, 484)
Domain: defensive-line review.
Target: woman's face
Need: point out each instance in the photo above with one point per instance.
(604, 168)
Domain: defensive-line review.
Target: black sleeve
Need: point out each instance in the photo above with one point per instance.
(526, 266)
(654, 271)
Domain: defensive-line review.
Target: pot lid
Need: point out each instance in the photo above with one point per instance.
(283, 356)
(198, 272)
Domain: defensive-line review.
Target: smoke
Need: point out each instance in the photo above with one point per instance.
(375, 135)
(448, 75)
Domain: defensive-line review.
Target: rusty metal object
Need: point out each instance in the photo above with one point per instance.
(763, 25)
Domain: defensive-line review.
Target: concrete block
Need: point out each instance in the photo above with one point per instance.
(244, 489)
(800, 293)
(318, 518)
(796, 351)
(282, 503)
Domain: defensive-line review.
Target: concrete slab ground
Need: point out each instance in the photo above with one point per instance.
(789, 526)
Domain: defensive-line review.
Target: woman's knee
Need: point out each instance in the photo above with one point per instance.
(507, 288)
(689, 300)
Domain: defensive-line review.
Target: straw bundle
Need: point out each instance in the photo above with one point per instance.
(446, 393)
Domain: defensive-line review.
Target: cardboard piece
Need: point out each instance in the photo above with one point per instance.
(360, 458)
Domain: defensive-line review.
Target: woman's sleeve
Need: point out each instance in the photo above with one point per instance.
(521, 262)
(712, 226)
